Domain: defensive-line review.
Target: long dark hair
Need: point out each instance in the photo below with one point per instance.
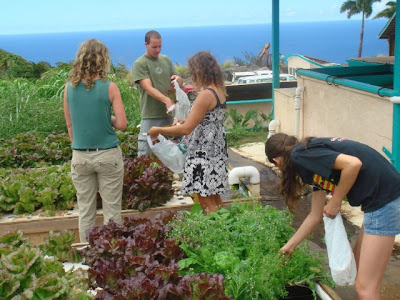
(281, 145)
(205, 70)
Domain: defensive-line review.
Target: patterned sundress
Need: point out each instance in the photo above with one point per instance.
(206, 167)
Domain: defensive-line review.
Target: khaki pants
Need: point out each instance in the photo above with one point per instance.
(97, 171)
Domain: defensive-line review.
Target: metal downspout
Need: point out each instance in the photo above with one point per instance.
(395, 157)
(275, 52)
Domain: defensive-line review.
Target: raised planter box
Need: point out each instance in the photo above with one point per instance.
(37, 228)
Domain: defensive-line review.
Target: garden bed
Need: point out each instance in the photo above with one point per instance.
(37, 225)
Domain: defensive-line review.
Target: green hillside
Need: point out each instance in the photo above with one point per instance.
(15, 66)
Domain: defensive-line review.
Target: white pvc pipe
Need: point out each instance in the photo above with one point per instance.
(321, 293)
(395, 99)
(248, 172)
(273, 127)
(297, 107)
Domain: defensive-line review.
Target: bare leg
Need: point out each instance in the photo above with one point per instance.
(374, 254)
(218, 200)
(208, 204)
(357, 246)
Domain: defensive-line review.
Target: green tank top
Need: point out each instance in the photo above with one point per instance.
(90, 112)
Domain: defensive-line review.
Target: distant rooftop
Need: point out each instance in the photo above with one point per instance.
(387, 60)
(317, 60)
(313, 60)
(389, 29)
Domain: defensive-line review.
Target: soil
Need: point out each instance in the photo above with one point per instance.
(269, 191)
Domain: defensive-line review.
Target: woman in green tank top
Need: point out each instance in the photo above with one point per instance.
(96, 166)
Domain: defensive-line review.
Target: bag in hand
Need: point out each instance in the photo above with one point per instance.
(341, 258)
(183, 104)
(169, 153)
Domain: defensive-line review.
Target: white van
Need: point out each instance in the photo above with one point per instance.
(265, 78)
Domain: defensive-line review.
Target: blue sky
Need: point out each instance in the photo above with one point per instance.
(40, 16)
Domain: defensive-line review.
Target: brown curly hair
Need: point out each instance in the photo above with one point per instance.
(281, 145)
(92, 59)
(204, 70)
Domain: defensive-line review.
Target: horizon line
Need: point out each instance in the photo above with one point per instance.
(173, 27)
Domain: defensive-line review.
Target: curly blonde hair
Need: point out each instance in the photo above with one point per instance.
(205, 70)
(92, 60)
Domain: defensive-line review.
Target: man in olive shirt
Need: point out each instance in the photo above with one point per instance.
(153, 73)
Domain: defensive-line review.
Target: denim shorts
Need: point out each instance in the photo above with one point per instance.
(385, 220)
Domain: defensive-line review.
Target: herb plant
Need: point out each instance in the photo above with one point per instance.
(242, 243)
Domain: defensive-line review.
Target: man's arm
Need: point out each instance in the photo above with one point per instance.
(154, 93)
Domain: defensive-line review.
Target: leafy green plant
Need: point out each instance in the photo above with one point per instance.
(24, 191)
(236, 120)
(135, 260)
(250, 127)
(58, 245)
(26, 274)
(129, 141)
(243, 243)
(35, 150)
(147, 183)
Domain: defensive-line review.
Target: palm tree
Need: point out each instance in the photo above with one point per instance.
(387, 12)
(354, 7)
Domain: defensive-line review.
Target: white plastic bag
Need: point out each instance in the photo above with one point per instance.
(182, 105)
(340, 255)
(169, 153)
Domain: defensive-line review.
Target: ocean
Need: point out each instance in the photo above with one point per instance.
(334, 41)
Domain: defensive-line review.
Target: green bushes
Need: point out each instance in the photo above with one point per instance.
(36, 106)
(251, 127)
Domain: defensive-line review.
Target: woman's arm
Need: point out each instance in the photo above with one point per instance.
(119, 121)
(350, 167)
(204, 103)
(67, 116)
(312, 220)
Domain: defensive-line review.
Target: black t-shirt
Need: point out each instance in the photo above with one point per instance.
(377, 183)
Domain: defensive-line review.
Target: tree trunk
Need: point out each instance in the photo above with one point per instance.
(361, 36)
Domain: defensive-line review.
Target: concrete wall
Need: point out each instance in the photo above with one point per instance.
(337, 111)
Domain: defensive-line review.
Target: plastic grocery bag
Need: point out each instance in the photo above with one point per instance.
(169, 153)
(340, 255)
(182, 105)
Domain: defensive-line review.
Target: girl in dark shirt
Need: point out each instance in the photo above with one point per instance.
(345, 169)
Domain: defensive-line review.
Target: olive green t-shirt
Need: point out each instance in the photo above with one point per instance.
(159, 71)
